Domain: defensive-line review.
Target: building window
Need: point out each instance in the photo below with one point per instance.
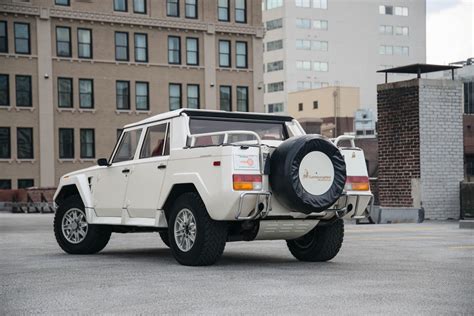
(242, 99)
(174, 50)
(24, 139)
(315, 105)
(121, 5)
(172, 8)
(274, 45)
(275, 86)
(241, 11)
(303, 3)
(193, 96)
(401, 30)
(62, 2)
(5, 143)
(63, 41)
(469, 97)
(469, 165)
(303, 44)
(321, 46)
(5, 184)
(66, 143)
(402, 11)
(274, 24)
(303, 23)
(65, 92)
(121, 46)
(4, 90)
(320, 4)
(191, 9)
(386, 50)
(303, 85)
(192, 51)
(141, 47)
(320, 25)
(84, 43)
(224, 53)
(223, 10)
(175, 96)
(87, 143)
(303, 65)
(23, 90)
(139, 6)
(386, 29)
(86, 93)
(122, 95)
(225, 98)
(25, 183)
(275, 66)
(142, 100)
(401, 50)
(300, 107)
(273, 4)
(241, 54)
(22, 38)
(386, 9)
(3, 37)
(320, 66)
(275, 107)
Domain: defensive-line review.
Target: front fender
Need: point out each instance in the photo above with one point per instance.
(82, 185)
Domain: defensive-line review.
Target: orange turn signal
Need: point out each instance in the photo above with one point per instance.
(357, 183)
(247, 182)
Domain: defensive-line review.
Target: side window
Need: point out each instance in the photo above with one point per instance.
(156, 143)
(128, 146)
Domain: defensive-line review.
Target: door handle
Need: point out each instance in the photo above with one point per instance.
(125, 170)
(162, 167)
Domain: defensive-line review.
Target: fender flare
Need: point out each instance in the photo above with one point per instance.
(82, 185)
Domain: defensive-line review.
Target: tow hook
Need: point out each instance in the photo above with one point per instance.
(341, 213)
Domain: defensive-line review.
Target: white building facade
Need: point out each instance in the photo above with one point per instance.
(316, 43)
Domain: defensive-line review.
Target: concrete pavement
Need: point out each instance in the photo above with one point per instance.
(391, 269)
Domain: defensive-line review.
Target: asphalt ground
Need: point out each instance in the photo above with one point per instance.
(381, 269)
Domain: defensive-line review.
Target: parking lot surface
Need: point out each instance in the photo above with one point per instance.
(392, 269)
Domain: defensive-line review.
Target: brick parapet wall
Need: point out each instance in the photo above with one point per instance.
(398, 142)
(441, 147)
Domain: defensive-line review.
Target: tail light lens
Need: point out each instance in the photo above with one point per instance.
(357, 183)
(247, 182)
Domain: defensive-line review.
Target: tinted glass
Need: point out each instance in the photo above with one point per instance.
(154, 143)
(128, 146)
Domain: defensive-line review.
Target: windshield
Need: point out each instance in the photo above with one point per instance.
(266, 130)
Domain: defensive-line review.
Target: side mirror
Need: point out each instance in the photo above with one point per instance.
(103, 162)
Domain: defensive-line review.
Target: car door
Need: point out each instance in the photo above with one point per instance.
(110, 185)
(146, 179)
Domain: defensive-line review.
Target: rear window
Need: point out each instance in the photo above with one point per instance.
(266, 130)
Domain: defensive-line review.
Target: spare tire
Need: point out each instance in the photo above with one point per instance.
(307, 173)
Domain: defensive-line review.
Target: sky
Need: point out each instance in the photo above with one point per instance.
(449, 30)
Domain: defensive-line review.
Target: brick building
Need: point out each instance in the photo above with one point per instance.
(73, 72)
(420, 141)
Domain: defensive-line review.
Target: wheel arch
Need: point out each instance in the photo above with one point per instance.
(77, 185)
(177, 190)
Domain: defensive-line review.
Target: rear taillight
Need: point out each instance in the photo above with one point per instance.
(247, 182)
(357, 183)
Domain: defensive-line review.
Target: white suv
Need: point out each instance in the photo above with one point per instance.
(202, 178)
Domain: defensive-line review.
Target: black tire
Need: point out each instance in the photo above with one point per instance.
(210, 235)
(165, 238)
(288, 183)
(96, 238)
(320, 244)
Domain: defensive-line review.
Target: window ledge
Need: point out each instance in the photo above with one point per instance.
(6, 107)
(87, 111)
(86, 160)
(129, 112)
(138, 112)
(234, 69)
(72, 110)
(32, 161)
(9, 160)
(24, 108)
(66, 160)
(16, 56)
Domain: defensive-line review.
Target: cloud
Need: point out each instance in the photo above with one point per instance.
(449, 31)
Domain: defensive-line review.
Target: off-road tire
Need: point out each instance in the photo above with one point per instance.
(96, 238)
(165, 238)
(320, 244)
(210, 237)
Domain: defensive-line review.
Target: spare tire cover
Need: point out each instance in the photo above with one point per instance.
(307, 173)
